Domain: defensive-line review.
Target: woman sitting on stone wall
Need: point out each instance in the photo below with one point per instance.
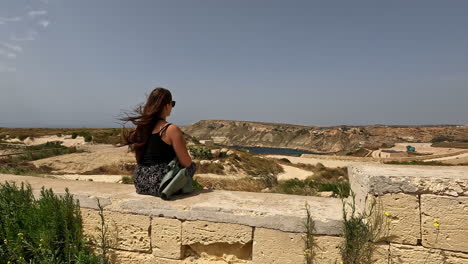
(155, 142)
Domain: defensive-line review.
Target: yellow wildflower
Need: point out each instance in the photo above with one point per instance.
(341, 262)
(386, 213)
(5, 241)
(20, 234)
(436, 222)
(307, 251)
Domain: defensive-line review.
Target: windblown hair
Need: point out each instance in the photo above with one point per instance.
(144, 117)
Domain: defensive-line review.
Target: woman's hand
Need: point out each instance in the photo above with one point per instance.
(180, 146)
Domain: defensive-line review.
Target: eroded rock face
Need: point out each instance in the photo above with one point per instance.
(320, 139)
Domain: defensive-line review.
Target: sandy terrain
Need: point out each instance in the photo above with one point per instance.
(98, 155)
(424, 148)
(96, 178)
(456, 159)
(330, 163)
(67, 140)
(293, 172)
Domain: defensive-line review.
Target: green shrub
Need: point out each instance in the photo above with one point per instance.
(196, 185)
(200, 152)
(127, 179)
(285, 160)
(22, 137)
(88, 138)
(361, 231)
(47, 230)
(74, 135)
(442, 139)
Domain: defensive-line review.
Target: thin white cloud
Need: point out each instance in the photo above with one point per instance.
(7, 54)
(30, 35)
(36, 13)
(11, 46)
(44, 23)
(4, 20)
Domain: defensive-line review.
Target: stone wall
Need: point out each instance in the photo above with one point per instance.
(425, 208)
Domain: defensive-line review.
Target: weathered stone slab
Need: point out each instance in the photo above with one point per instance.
(382, 179)
(166, 237)
(267, 210)
(277, 247)
(207, 233)
(451, 213)
(400, 217)
(126, 231)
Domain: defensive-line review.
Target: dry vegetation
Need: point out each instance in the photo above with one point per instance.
(114, 169)
(99, 135)
(246, 184)
(20, 164)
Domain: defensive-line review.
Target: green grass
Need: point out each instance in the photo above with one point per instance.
(47, 230)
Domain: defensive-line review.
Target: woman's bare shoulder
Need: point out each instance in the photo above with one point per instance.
(174, 129)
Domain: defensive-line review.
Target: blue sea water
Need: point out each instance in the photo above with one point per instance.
(275, 151)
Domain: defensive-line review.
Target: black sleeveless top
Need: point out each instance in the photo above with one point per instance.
(157, 151)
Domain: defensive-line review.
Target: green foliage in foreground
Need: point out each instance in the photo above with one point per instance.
(311, 187)
(47, 230)
(361, 231)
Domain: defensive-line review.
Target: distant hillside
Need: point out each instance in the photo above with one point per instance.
(319, 139)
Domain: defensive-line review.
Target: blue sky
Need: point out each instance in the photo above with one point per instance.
(67, 63)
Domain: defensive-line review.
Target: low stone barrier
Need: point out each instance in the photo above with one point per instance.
(219, 226)
(426, 208)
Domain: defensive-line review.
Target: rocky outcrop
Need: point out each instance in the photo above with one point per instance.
(318, 139)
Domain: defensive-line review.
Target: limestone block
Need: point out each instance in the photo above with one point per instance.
(415, 255)
(406, 254)
(125, 257)
(126, 231)
(206, 233)
(381, 253)
(327, 249)
(277, 247)
(402, 225)
(452, 216)
(166, 238)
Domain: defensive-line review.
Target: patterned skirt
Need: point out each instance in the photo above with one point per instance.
(148, 178)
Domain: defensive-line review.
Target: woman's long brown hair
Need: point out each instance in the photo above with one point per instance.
(144, 118)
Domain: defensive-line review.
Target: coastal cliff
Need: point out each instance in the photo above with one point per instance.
(318, 139)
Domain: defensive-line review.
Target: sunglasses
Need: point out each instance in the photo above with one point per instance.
(173, 103)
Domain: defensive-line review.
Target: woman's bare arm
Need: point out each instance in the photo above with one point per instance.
(180, 146)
